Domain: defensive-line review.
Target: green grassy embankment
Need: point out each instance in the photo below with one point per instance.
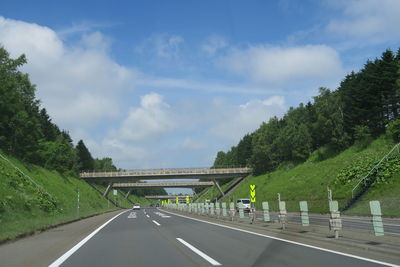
(26, 207)
(211, 193)
(309, 181)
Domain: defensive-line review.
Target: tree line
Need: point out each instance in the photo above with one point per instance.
(28, 133)
(363, 107)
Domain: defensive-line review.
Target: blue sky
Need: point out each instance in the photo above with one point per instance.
(157, 84)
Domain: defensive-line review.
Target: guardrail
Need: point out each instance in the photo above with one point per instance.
(375, 168)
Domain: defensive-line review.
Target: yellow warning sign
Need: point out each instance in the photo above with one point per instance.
(187, 199)
(177, 200)
(253, 193)
(169, 201)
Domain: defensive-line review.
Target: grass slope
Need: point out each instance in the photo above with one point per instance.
(309, 181)
(25, 207)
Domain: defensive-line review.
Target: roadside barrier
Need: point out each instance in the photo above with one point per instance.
(220, 211)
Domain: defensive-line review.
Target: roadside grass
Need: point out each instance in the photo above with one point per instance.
(211, 193)
(309, 181)
(25, 208)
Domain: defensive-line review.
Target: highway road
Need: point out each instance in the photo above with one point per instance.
(152, 237)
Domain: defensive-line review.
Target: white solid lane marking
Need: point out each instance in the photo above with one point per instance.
(156, 223)
(288, 241)
(147, 216)
(200, 253)
(67, 254)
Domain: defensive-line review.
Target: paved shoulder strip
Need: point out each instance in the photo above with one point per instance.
(67, 254)
(200, 253)
(288, 241)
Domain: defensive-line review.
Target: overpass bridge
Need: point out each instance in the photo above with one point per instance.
(123, 176)
(162, 184)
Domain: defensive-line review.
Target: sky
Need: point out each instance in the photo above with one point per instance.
(168, 84)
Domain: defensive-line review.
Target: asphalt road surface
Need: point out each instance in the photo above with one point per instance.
(155, 238)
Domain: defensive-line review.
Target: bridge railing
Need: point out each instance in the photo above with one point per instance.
(114, 173)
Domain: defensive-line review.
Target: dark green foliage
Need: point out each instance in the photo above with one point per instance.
(84, 158)
(105, 164)
(27, 132)
(361, 108)
(393, 130)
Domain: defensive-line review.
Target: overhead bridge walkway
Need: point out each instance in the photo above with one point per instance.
(127, 179)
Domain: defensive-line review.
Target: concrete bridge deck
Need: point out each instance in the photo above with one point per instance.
(163, 184)
(134, 175)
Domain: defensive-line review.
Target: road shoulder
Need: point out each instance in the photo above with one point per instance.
(42, 249)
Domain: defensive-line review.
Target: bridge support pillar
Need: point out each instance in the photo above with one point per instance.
(218, 187)
(107, 189)
(128, 193)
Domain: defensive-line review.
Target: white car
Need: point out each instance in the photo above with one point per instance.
(136, 206)
(246, 204)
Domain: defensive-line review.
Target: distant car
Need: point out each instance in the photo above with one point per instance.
(246, 204)
(136, 206)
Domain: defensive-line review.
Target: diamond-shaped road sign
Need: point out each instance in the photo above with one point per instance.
(253, 193)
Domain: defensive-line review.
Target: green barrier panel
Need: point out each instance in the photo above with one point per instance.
(217, 209)
(207, 208)
(377, 217)
(241, 210)
(212, 209)
(224, 209)
(203, 209)
(333, 206)
(265, 207)
(232, 209)
(305, 221)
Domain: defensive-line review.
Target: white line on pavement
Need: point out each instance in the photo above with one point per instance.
(67, 254)
(156, 223)
(147, 216)
(288, 241)
(200, 253)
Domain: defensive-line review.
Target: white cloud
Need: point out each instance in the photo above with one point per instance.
(190, 143)
(150, 120)
(233, 122)
(213, 44)
(372, 21)
(280, 66)
(162, 45)
(77, 84)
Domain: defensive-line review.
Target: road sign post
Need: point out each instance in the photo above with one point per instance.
(252, 213)
(335, 222)
(376, 213)
(282, 212)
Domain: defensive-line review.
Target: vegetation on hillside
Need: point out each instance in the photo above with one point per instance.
(310, 180)
(365, 104)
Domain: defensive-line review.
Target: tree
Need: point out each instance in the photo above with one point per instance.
(84, 158)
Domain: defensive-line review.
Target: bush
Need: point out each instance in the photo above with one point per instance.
(362, 136)
(393, 130)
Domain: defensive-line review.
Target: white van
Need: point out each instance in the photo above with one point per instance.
(246, 204)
